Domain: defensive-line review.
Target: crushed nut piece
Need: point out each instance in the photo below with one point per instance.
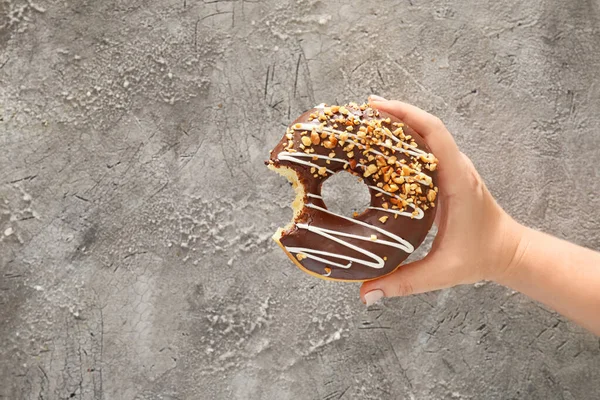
(431, 195)
(314, 138)
(371, 169)
(328, 144)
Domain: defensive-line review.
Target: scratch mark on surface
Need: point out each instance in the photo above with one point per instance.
(27, 178)
(380, 77)
(398, 362)
(267, 80)
(4, 63)
(343, 393)
(296, 78)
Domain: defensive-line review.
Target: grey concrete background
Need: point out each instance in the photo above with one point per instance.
(136, 214)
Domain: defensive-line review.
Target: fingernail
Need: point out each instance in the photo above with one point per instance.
(374, 97)
(373, 297)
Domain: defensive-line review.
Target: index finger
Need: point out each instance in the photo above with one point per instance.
(430, 127)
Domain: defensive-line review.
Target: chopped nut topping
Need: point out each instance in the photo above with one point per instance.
(328, 144)
(371, 169)
(373, 237)
(379, 146)
(314, 138)
(431, 194)
(300, 256)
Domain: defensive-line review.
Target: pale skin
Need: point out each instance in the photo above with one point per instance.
(477, 240)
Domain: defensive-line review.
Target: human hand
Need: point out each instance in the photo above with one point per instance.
(476, 239)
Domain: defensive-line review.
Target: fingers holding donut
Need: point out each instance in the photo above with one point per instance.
(430, 127)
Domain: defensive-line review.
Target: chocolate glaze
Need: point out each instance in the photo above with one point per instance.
(412, 230)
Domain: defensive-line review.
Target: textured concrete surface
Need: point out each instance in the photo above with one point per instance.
(136, 214)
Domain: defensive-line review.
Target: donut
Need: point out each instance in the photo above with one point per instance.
(391, 159)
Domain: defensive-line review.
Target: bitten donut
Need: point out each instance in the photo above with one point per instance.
(392, 160)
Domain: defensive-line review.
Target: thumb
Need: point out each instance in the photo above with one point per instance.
(418, 277)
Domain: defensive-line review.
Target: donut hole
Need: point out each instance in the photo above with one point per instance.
(345, 194)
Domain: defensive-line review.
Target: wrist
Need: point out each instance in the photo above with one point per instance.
(517, 239)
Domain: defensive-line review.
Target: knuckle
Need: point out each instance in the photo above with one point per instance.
(404, 288)
(437, 123)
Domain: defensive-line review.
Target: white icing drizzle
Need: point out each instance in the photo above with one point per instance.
(403, 213)
(413, 152)
(403, 244)
(284, 155)
(375, 261)
(418, 216)
(316, 196)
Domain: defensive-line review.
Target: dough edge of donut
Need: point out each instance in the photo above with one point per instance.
(298, 203)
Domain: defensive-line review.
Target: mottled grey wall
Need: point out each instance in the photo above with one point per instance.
(136, 213)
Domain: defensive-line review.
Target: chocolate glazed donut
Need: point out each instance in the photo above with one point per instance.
(393, 161)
